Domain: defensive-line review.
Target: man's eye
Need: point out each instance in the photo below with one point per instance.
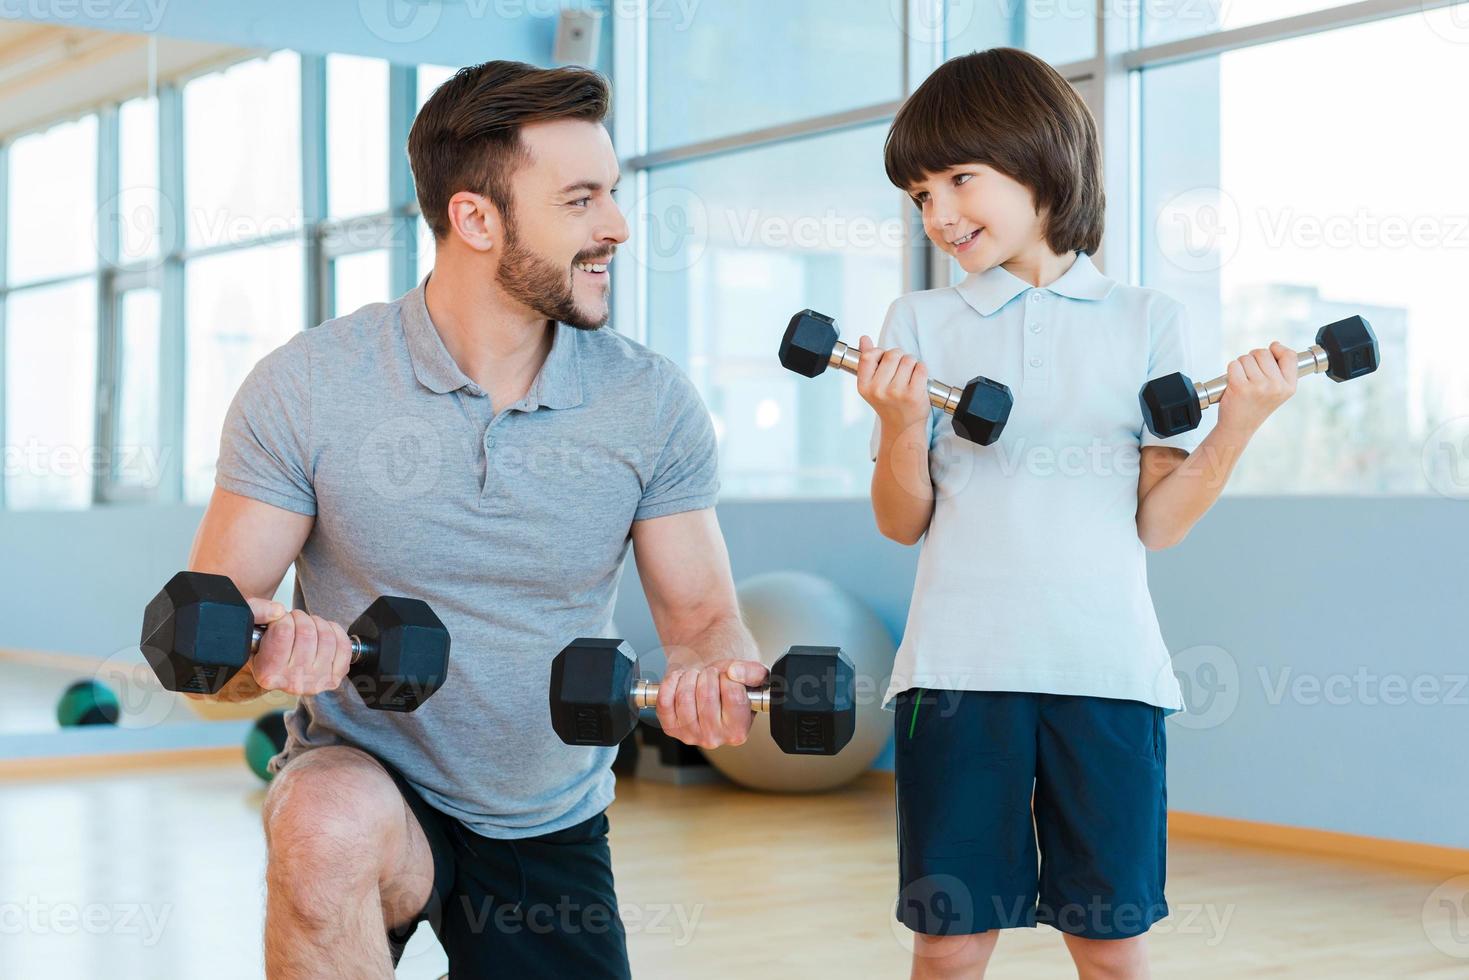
(582, 202)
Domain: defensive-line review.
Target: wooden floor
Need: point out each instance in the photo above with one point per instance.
(158, 875)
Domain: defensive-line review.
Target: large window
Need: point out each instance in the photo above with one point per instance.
(242, 152)
(157, 249)
(759, 246)
(242, 304)
(53, 203)
(1273, 215)
(356, 136)
(716, 69)
(50, 385)
(756, 189)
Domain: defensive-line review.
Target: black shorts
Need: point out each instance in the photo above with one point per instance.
(531, 907)
(986, 779)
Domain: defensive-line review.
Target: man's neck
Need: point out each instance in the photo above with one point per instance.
(498, 343)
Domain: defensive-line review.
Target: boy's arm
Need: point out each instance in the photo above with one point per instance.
(1176, 489)
(895, 384)
(902, 490)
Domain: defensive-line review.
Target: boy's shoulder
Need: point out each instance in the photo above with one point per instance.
(1122, 301)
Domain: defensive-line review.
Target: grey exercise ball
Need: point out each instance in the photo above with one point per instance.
(783, 609)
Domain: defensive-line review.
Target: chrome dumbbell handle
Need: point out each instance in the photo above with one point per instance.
(942, 396)
(359, 645)
(645, 695)
(1313, 360)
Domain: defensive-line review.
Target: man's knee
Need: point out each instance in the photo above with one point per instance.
(333, 822)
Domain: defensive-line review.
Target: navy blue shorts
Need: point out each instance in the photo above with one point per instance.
(530, 907)
(988, 778)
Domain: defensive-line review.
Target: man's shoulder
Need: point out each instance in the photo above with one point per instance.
(362, 328)
(616, 358)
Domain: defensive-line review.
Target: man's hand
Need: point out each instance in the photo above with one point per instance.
(299, 653)
(708, 705)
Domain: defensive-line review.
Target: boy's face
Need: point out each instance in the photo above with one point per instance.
(978, 215)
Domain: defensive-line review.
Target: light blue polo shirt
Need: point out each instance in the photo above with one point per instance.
(1031, 576)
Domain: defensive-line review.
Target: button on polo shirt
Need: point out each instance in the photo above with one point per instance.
(1031, 576)
(512, 524)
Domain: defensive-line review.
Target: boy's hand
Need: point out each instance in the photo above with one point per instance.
(1259, 383)
(895, 384)
(708, 705)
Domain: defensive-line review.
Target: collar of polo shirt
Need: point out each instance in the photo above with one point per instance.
(988, 291)
(557, 386)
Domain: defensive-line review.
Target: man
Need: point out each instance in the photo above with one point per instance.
(479, 443)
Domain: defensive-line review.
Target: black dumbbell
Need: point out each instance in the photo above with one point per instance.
(980, 409)
(811, 697)
(1343, 350)
(199, 632)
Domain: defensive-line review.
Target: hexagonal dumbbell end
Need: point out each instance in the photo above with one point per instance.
(813, 701)
(1170, 405)
(807, 344)
(983, 410)
(405, 653)
(196, 633)
(591, 691)
(1351, 348)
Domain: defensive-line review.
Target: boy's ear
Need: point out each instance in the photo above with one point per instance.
(475, 220)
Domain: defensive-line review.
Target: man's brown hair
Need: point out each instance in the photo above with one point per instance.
(467, 135)
(1010, 110)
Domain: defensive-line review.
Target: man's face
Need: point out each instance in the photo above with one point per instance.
(565, 225)
(978, 215)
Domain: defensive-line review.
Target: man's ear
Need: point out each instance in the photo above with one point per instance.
(476, 220)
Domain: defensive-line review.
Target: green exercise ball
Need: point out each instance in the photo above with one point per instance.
(87, 703)
(265, 742)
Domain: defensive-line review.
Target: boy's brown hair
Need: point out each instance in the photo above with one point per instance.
(1010, 110)
(467, 135)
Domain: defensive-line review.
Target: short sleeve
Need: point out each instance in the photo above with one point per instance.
(264, 449)
(686, 472)
(1170, 350)
(898, 330)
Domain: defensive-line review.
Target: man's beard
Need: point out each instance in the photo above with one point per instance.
(541, 286)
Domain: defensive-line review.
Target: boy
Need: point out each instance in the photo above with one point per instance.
(1032, 681)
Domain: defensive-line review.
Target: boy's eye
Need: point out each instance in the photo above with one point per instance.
(920, 198)
(961, 179)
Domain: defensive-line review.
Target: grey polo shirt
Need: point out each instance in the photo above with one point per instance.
(512, 525)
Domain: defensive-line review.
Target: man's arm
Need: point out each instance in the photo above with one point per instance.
(712, 658)
(253, 544)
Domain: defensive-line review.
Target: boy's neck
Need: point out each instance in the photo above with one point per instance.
(1039, 266)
